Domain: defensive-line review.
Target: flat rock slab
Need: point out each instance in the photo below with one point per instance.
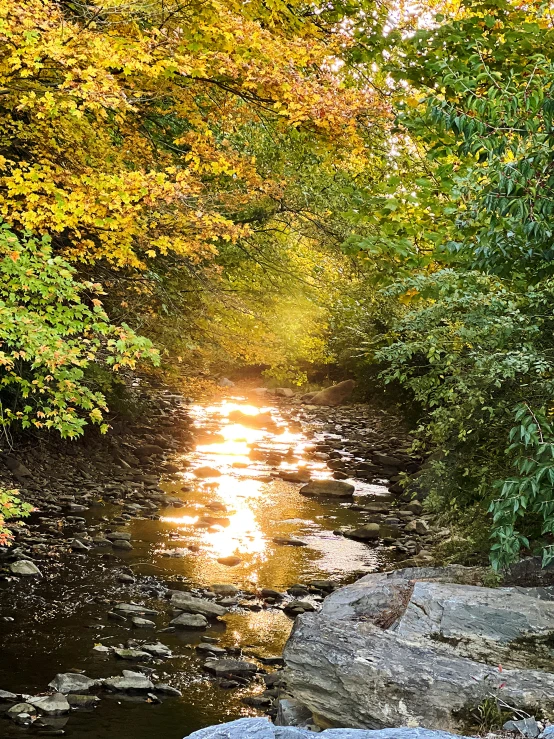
(261, 728)
(69, 682)
(189, 604)
(328, 488)
(24, 568)
(230, 668)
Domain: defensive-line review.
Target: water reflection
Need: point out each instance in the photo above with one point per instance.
(244, 504)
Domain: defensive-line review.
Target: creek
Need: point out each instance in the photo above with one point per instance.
(52, 624)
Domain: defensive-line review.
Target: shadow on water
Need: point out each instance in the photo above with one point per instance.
(238, 510)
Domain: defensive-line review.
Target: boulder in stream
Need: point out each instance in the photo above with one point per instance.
(408, 648)
(328, 488)
(189, 604)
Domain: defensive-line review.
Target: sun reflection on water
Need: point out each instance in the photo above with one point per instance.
(243, 470)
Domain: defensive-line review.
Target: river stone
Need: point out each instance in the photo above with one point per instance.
(224, 589)
(24, 568)
(131, 681)
(303, 476)
(261, 728)
(142, 623)
(51, 705)
(190, 621)
(122, 544)
(82, 701)
(69, 682)
(330, 488)
(157, 650)
(134, 655)
(230, 668)
(230, 561)
(289, 541)
(6, 696)
(204, 472)
(387, 650)
(21, 708)
(132, 609)
(189, 604)
(118, 536)
(368, 532)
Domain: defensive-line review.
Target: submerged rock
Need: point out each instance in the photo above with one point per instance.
(392, 649)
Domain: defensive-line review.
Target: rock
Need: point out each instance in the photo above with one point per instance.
(121, 544)
(18, 469)
(124, 578)
(229, 668)
(148, 450)
(261, 728)
(132, 609)
(157, 650)
(415, 507)
(118, 536)
(142, 623)
(78, 546)
(230, 561)
(225, 382)
(292, 713)
(284, 392)
(19, 709)
(211, 649)
(330, 488)
(295, 475)
(69, 682)
(369, 531)
(392, 649)
(130, 682)
(225, 589)
(289, 541)
(24, 568)
(51, 705)
(205, 472)
(334, 395)
(190, 621)
(271, 593)
(6, 696)
(133, 655)
(189, 604)
(168, 690)
(299, 606)
(525, 727)
(82, 701)
(418, 527)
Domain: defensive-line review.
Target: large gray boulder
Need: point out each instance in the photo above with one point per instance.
(407, 648)
(261, 728)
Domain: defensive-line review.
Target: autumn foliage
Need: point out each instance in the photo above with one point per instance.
(119, 122)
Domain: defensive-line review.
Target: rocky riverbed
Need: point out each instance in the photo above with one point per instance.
(181, 549)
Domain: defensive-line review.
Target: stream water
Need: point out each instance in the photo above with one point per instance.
(59, 620)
